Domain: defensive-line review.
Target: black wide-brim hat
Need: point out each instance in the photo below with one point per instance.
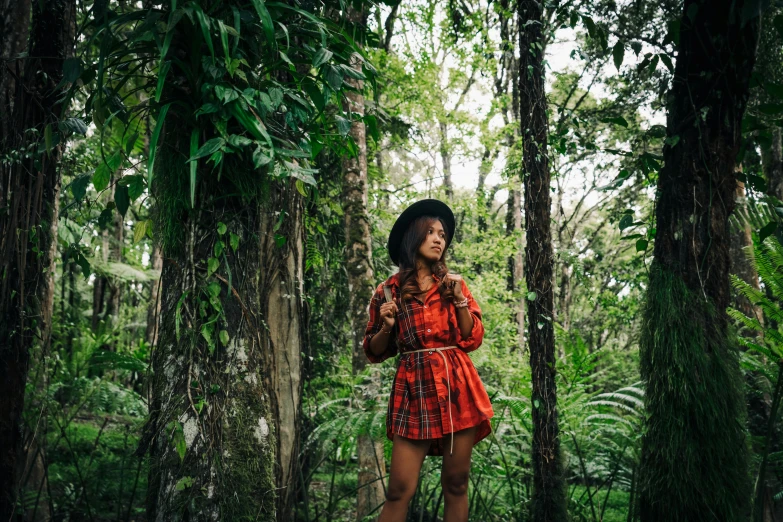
(425, 207)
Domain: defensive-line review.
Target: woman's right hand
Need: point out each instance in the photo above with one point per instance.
(388, 313)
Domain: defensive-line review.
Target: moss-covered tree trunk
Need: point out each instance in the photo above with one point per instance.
(548, 502)
(361, 283)
(226, 388)
(28, 193)
(694, 464)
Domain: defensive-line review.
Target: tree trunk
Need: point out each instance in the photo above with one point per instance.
(516, 262)
(224, 425)
(361, 284)
(694, 464)
(445, 156)
(28, 190)
(153, 310)
(772, 161)
(549, 493)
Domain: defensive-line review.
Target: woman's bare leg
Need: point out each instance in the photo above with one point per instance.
(407, 456)
(454, 475)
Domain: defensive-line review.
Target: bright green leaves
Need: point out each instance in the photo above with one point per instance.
(102, 175)
(209, 148)
(212, 265)
(642, 240)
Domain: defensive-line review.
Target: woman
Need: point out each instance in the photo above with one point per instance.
(438, 405)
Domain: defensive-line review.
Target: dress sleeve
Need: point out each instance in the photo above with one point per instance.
(374, 326)
(477, 333)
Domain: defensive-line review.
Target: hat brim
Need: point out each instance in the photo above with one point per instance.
(425, 207)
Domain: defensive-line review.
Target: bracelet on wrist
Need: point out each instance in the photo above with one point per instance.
(461, 304)
(387, 331)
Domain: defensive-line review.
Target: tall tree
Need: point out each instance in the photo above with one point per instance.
(238, 116)
(28, 192)
(549, 491)
(694, 464)
(361, 283)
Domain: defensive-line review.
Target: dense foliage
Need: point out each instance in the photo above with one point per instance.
(203, 145)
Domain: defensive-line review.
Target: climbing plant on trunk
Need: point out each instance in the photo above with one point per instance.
(694, 463)
(243, 95)
(549, 491)
(29, 186)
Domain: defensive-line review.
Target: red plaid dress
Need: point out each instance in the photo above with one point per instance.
(418, 407)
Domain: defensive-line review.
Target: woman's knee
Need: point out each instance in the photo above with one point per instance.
(400, 490)
(455, 484)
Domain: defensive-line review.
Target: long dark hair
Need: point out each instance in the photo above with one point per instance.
(409, 247)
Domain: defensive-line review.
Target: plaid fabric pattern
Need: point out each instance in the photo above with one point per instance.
(419, 400)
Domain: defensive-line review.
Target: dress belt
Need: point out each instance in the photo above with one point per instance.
(448, 384)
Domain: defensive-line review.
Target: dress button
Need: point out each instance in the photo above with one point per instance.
(430, 352)
(428, 330)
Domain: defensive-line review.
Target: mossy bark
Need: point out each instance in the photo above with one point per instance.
(224, 420)
(28, 191)
(694, 453)
(548, 503)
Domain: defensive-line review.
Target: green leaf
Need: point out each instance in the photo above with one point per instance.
(224, 337)
(213, 289)
(154, 141)
(266, 22)
(212, 265)
(184, 482)
(343, 125)
(140, 230)
(105, 217)
(286, 59)
(233, 241)
(617, 120)
(194, 165)
(207, 149)
(79, 186)
(218, 249)
(672, 141)
(618, 53)
(203, 22)
(74, 125)
(657, 131)
(334, 77)
(164, 70)
(72, 69)
(121, 199)
(590, 25)
(135, 185)
(260, 158)
(531, 296)
(221, 228)
(767, 230)
(224, 40)
(102, 175)
(179, 442)
(235, 140)
(667, 61)
(641, 245)
(626, 221)
(322, 56)
(279, 240)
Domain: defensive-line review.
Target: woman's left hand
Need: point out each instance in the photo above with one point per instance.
(453, 284)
